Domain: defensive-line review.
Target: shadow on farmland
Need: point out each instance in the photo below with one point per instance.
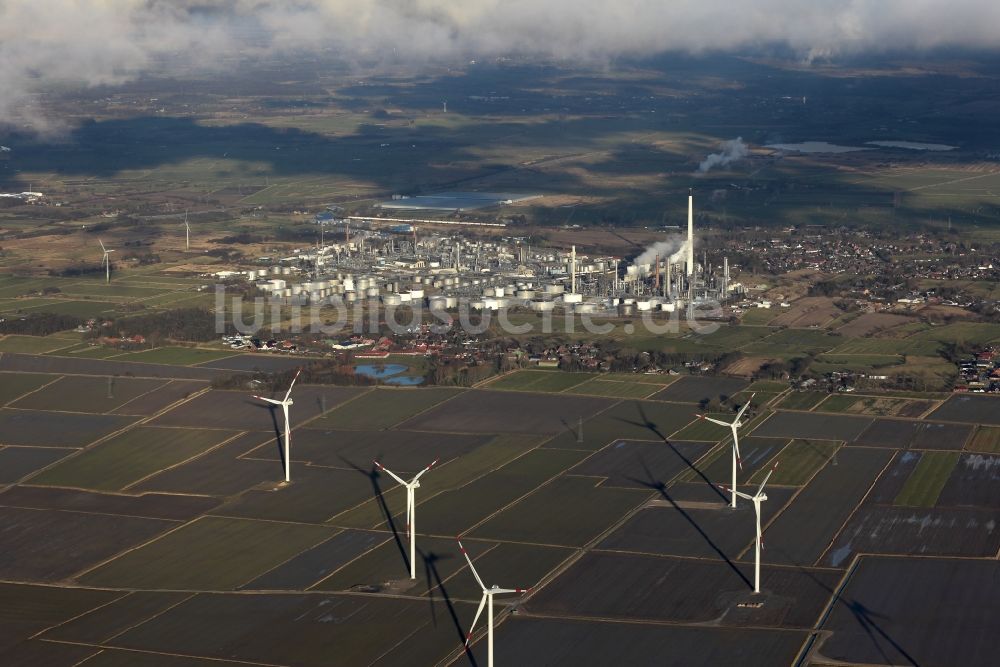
(270, 407)
(653, 428)
(373, 476)
(865, 618)
(652, 483)
(434, 581)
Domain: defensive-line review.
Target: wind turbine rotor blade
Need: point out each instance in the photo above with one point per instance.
(511, 590)
(409, 510)
(102, 245)
(269, 400)
(745, 406)
(479, 612)
(769, 473)
(433, 463)
(736, 449)
(293, 383)
(738, 493)
(473, 568)
(390, 473)
(714, 421)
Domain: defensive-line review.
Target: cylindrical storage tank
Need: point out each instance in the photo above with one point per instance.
(286, 292)
(406, 297)
(628, 301)
(585, 308)
(350, 297)
(348, 284)
(286, 270)
(643, 305)
(451, 302)
(371, 292)
(554, 289)
(572, 298)
(297, 289)
(261, 273)
(477, 305)
(525, 294)
(438, 302)
(391, 299)
(276, 269)
(626, 310)
(543, 306)
(416, 294)
(667, 307)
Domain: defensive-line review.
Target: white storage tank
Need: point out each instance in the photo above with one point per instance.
(416, 294)
(572, 298)
(543, 306)
(372, 292)
(391, 299)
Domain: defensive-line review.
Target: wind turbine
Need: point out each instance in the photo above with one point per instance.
(106, 260)
(411, 510)
(736, 440)
(284, 403)
(488, 594)
(757, 499)
(187, 231)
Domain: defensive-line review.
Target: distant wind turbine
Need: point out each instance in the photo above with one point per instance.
(487, 600)
(106, 260)
(411, 509)
(757, 499)
(187, 231)
(285, 403)
(736, 441)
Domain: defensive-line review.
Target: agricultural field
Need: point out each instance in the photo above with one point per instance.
(160, 505)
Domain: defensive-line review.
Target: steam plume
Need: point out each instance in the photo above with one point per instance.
(732, 150)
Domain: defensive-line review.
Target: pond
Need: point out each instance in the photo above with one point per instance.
(379, 371)
(389, 373)
(816, 147)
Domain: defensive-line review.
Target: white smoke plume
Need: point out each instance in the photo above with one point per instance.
(732, 150)
(673, 250)
(49, 43)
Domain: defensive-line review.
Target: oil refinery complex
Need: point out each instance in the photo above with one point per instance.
(398, 266)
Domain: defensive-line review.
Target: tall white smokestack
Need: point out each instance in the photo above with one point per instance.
(572, 269)
(690, 253)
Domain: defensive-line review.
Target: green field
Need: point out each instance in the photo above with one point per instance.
(883, 347)
(570, 511)
(799, 461)
(614, 389)
(802, 400)
(541, 381)
(927, 480)
(838, 403)
(32, 344)
(704, 430)
(212, 553)
(181, 356)
(787, 341)
(15, 385)
(383, 408)
(80, 393)
(130, 457)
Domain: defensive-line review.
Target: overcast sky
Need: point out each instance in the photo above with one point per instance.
(91, 42)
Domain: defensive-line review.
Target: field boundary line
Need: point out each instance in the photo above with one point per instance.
(79, 451)
(428, 409)
(80, 615)
(47, 384)
(857, 506)
(187, 460)
(102, 647)
(135, 398)
(312, 587)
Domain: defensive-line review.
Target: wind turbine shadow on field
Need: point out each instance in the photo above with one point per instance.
(652, 483)
(434, 580)
(651, 426)
(373, 476)
(277, 429)
(864, 617)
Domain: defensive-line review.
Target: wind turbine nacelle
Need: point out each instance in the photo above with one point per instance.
(763, 497)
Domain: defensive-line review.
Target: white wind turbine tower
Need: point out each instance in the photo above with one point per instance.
(187, 232)
(736, 440)
(487, 600)
(757, 499)
(106, 260)
(284, 403)
(411, 509)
